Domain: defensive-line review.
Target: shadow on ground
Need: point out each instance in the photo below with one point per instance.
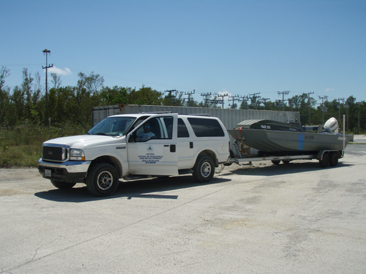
(269, 169)
(143, 188)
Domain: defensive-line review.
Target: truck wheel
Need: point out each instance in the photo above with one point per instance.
(325, 161)
(333, 161)
(61, 184)
(204, 169)
(102, 180)
(275, 162)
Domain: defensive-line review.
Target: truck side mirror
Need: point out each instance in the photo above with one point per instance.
(131, 138)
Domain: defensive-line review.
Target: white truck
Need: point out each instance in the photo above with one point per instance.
(160, 144)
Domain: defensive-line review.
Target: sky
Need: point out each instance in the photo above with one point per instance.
(235, 47)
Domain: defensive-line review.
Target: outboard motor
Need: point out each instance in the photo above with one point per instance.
(331, 126)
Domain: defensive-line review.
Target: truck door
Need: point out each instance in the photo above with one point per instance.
(152, 147)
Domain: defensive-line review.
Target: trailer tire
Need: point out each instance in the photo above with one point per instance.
(276, 162)
(102, 179)
(204, 169)
(62, 185)
(333, 161)
(325, 161)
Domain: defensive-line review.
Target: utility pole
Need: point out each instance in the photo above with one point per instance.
(283, 97)
(234, 98)
(339, 108)
(170, 96)
(264, 100)
(346, 106)
(222, 96)
(244, 100)
(46, 52)
(206, 96)
(308, 95)
(189, 96)
(323, 108)
(216, 101)
(253, 99)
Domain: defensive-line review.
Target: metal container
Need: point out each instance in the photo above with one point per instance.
(229, 117)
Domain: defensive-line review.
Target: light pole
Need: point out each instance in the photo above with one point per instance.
(346, 106)
(46, 52)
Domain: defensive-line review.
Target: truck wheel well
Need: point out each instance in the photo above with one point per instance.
(211, 154)
(111, 160)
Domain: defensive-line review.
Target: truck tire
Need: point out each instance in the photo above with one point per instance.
(61, 184)
(276, 162)
(325, 161)
(204, 169)
(102, 180)
(333, 161)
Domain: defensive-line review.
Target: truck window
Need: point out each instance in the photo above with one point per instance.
(206, 127)
(112, 126)
(155, 128)
(182, 129)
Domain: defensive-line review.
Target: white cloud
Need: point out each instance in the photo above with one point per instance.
(329, 89)
(59, 71)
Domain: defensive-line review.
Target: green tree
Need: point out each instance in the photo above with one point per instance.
(56, 80)
(27, 92)
(115, 95)
(92, 82)
(4, 96)
(174, 98)
(145, 96)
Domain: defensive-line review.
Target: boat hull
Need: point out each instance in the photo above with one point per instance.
(287, 141)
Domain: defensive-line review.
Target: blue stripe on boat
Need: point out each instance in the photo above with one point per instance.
(300, 142)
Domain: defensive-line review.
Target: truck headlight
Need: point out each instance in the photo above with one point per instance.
(77, 155)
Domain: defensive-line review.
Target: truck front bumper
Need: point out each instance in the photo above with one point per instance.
(68, 172)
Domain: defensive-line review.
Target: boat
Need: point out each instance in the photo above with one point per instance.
(278, 138)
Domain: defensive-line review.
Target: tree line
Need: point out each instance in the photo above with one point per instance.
(72, 105)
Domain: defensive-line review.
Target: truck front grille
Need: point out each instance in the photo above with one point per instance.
(55, 153)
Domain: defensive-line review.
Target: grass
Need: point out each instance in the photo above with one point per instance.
(22, 146)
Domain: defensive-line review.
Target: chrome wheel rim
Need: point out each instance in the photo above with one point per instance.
(105, 180)
(206, 169)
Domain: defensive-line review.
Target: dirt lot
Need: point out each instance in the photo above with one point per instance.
(295, 218)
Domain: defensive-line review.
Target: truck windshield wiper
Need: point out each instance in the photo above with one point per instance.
(101, 133)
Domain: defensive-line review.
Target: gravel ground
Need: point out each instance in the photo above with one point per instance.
(295, 218)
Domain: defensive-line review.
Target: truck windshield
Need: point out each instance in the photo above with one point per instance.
(112, 126)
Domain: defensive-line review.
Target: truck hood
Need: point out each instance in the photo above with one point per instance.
(81, 141)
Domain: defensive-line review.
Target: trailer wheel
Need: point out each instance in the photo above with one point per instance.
(285, 162)
(62, 185)
(325, 161)
(276, 162)
(102, 180)
(204, 169)
(333, 161)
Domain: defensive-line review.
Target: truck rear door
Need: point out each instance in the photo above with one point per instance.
(152, 147)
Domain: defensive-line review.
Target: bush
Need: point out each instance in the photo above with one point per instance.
(21, 146)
